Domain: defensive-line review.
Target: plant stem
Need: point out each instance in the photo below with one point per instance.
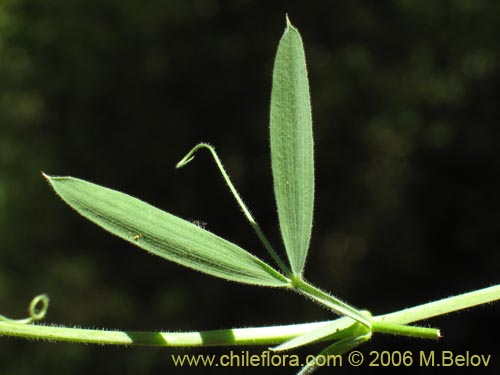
(403, 330)
(337, 348)
(237, 336)
(225, 337)
(392, 323)
(443, 306)
(190, 156)
(333, 303)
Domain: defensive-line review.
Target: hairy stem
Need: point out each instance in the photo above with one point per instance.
(443, 306)
(226, 337)
(393, 323)
(404, 330)
(331, 302)
(337, 348)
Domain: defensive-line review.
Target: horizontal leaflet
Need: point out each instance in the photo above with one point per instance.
(163, 234)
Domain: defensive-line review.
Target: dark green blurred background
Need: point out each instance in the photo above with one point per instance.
(406, 115)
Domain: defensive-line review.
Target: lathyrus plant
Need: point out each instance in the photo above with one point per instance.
(180, 241)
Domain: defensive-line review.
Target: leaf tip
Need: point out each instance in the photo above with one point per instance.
(47, 177)
(289, 24)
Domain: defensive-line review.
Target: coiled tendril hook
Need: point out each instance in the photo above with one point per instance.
(37, 310)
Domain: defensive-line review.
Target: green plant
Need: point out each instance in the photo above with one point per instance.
(182, 242)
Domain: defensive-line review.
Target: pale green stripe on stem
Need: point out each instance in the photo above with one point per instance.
(237, 336)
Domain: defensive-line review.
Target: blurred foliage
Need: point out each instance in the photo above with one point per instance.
(405, 103)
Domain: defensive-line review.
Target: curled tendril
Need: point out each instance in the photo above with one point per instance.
(37, 310)
(190, 156)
